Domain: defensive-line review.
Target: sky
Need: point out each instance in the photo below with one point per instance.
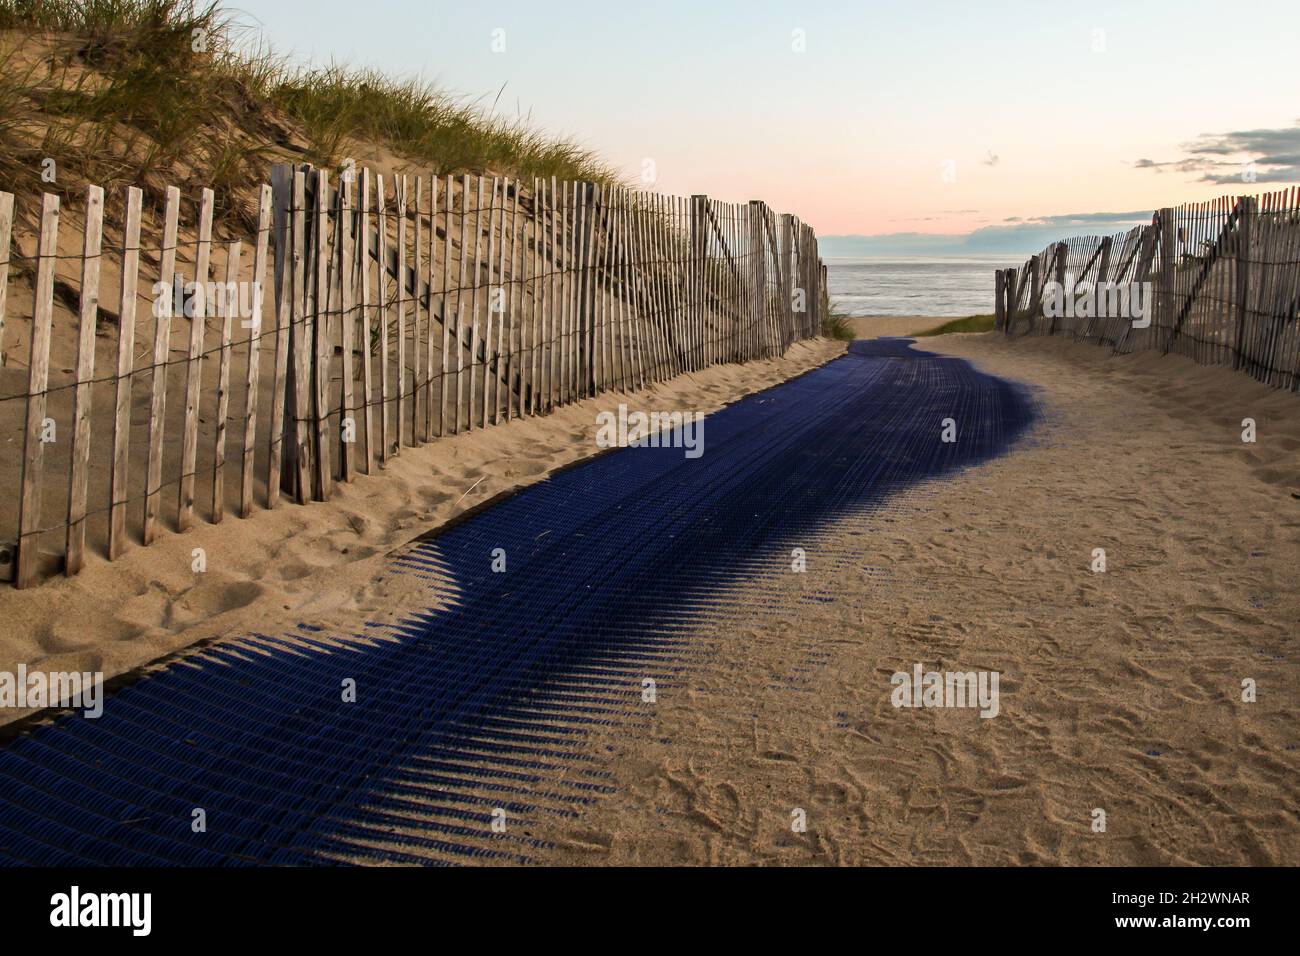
(975, 119)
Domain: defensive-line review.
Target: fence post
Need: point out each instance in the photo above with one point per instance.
(298, 439)
(699, 269)
(823, 292)
(999, 306)
(1245, 225)
(6, 226)
(1168, 260)
(264, 216)
(161, 350)
(1035, 290)
(87, 320)
(1099, 284)
(787, 280)
(1009, 309)
(125, 373)
(194, 364)
(1061, 251)
(757, 223)
(589, 288)
(29, 506)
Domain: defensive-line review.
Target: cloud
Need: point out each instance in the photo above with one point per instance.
(1015, 236)
(1239, 156)
(1122, 219)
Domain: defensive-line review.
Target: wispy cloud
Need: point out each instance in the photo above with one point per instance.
(1015, 235)
(1238, 156)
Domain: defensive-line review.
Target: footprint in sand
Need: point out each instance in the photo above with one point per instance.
(528, 468)
(207, 600)
(433, 498)
(69, 634)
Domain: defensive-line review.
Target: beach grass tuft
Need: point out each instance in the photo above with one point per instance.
(836, 324)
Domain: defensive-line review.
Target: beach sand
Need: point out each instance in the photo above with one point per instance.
(325, 562)
(874, 326)
(1119, 691)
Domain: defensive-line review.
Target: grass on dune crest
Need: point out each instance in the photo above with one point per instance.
(971, 323)
(176, 91)
(418, 119)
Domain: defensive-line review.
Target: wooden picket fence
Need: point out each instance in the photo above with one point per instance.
(1224, 280)
(371, 316)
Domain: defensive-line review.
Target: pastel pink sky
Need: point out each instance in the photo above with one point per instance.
(852, 132)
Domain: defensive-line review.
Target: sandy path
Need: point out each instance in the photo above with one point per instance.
(600, 567)
(1119, 691)
(871, 326)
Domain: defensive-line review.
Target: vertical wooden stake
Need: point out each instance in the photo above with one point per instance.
(399, 188)
(417, 384)
(281, 225)
(6, 227)
(473, 300)
(323, 352)
(226, 308)
(255, 325)
(367, 376)
(35, 433)
(493, 291)
(194, 366)
(88, 317)
(348, 326)
(161, 352)
(1245, 226)
(118, 492)
(385, 443)
(446, 308)
(428, 349)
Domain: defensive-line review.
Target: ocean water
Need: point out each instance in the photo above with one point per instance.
(945, 287)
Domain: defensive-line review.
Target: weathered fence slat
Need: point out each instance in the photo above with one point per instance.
(35, 433)
(226, 310)
(255, 324)
(428, 329)
(281, 225)
(385, 442)
(366, 318)
(118, 481)
(491, 297)
(161, 350)
(88, 317)
(446, 310)
(323, 345)
(6, 228)
(399, 188)
(199, 306)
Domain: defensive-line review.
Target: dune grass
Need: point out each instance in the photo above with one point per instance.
(971, 323)
(133, 89)
(836, 325)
